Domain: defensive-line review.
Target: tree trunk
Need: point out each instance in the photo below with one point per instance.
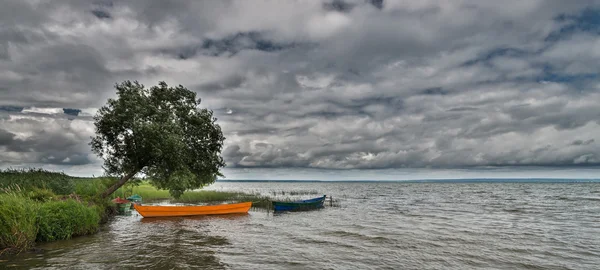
(118, 184)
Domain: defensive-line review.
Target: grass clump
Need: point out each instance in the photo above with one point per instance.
(209, 196)
(18, 227)
(60, 220)
(41, 195)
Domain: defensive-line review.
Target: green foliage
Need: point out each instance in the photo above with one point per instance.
(64, 219)
(149, 193)
(160, 132)
(18, 228)
(30, 179)
(41, 195)
(62, 185)
(91, 187)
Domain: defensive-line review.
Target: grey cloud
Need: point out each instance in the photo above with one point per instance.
(230, 82)
(45, 140)
(580, 142)
(233, 154)
(435, 91)
(41, 72)
(6, 138)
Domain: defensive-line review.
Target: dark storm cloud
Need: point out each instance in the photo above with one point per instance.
(73, 112)
(347, 6)
(6, 138)
(15, 109)
(338, 5)
(353, 84)
(580, 142)
(101, 14)
(229, 46)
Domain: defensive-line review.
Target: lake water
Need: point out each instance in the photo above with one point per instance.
(372, 226)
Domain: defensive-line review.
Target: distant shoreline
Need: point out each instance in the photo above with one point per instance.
(477, 180)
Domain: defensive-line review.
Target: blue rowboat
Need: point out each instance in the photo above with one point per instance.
(299, 205)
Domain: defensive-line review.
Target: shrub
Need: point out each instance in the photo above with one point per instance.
(64, 219)
(18, 227)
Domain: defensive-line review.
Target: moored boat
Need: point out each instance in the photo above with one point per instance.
(123, 206)
(299, 205)
(192, 210)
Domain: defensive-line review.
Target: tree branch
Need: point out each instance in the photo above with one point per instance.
(118, 184)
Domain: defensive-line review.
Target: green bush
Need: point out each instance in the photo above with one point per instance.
(64, 219)
(18, 227)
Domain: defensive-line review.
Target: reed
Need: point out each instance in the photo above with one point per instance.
(294, 192)
(28, 179)
(18, 222)
(38, 205)
(60, 220)
(91, 187)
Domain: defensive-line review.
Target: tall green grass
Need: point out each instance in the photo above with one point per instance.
(38, 205)
(29, 179)
(18, 222)
(92, 187)
(60, 220)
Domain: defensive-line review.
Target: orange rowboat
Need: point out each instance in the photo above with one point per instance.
(178, 211)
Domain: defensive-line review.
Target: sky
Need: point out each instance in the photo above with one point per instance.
(311, 89)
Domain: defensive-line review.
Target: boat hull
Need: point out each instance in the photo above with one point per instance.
(299, 205)
(180, 211)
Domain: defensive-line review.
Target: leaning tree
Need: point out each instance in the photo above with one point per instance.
(161, 133)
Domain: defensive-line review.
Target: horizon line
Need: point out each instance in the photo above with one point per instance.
(479, 179)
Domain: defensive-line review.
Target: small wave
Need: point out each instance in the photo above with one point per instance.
(310, 241)
(564, 198)
(376, 239)
(514, 210)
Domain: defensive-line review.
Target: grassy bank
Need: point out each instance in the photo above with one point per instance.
(25, 220)
(38, 206)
